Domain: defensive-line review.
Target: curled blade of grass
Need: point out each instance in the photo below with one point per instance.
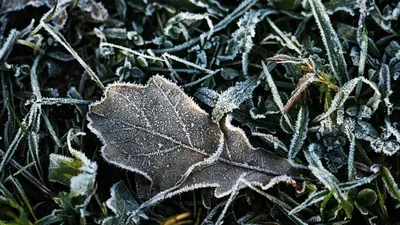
(344, 93)
(331, 41)
(30, 45)
(51, 30)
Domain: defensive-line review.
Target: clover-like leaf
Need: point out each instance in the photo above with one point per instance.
(158, 131)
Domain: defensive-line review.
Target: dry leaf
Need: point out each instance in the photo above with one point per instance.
(158, 131)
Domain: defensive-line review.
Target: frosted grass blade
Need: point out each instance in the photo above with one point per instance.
(299, 136)
(331, 42)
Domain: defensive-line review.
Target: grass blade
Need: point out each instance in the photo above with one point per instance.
(331, 42)
(67, 46)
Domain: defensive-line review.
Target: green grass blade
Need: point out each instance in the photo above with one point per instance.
(331, 42)
(390, 183)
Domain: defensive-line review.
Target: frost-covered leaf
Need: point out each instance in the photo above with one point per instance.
(97, 10)
(207, 96)
(8, 6)
(72, 171)
(380, 144)
(391, 128)
(229, 73)
(331, 42)
(393, 50)
(62, 168)
(234, 96)
(79, 173)
(159, 132)
(121, 204)
(385, 20)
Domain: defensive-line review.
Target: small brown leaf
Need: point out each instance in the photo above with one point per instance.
(158, 131)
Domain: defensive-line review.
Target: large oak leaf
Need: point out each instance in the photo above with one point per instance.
(158, 131)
